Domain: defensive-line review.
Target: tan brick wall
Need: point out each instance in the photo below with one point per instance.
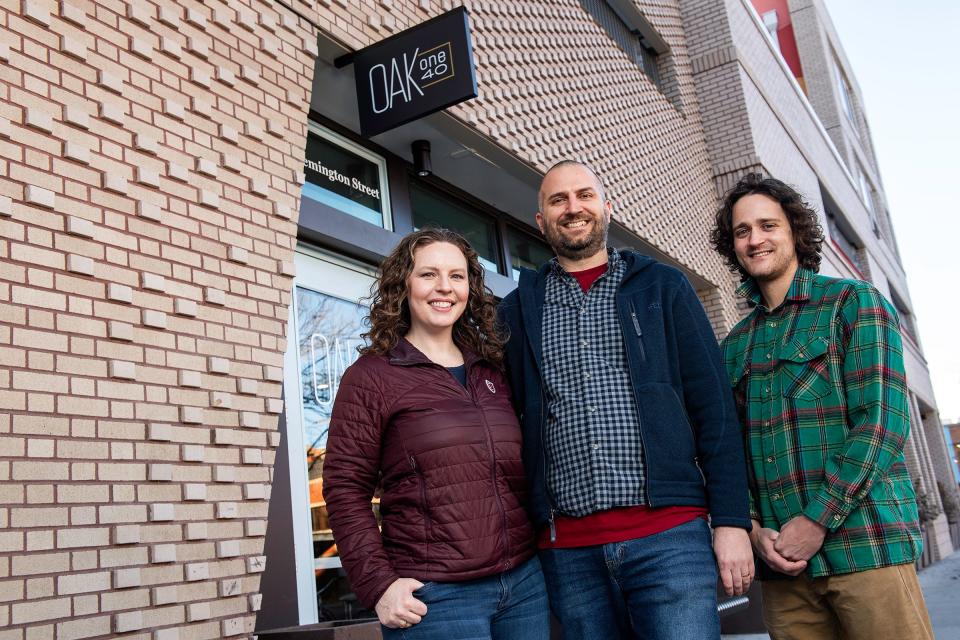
(606, 112)
(142, 296)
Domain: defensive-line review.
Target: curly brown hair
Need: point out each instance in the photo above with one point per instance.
(389, 317)
(806, 229)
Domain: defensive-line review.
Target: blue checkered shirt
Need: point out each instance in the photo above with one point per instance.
(593, 443)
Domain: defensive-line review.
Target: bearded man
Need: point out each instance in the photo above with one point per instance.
(630, 438)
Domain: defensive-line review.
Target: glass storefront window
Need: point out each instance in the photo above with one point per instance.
(431, 209)
(526, 251)
(346, 176)
(328, 317)
(328, 334)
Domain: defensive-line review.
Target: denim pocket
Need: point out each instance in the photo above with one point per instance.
(426, 588)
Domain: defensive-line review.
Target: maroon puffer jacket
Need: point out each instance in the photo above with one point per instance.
(453, 482)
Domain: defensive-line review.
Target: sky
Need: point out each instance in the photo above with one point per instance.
(904, 57)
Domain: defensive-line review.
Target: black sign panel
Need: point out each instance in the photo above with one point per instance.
(415, 73)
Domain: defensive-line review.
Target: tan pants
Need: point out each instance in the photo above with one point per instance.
(869, 605)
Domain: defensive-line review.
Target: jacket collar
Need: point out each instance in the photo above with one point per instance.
(799, 290)
(532, 289)
(537, 280)
(553, 265)
(532, 292)
(404, 354)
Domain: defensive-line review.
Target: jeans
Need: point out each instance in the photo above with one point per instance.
(506, 606)
(660, 587)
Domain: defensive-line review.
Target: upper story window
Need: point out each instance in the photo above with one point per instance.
(843, 234)
(632, 40)
(434, 209)
(770, 22)
(849, 246)
(907, 322)
(846, 93)
(866, 194)
(346, 176)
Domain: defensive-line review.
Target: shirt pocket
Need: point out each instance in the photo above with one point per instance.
(805, 370)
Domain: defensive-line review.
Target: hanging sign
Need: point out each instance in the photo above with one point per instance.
(414, 73)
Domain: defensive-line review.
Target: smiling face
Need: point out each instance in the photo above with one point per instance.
(762, 239)
(437, 288)
(574, 215)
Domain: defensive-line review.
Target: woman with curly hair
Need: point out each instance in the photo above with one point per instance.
(425, 412)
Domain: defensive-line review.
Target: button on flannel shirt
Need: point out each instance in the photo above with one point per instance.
(821, 391)
(594, 449)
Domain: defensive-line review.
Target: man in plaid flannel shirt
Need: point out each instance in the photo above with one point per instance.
(630, 435)
(818, 377)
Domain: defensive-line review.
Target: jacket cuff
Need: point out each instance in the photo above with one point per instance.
(371, 593)
(723, 521)
(827, 511)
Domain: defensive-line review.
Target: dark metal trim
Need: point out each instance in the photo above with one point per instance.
(323, 225)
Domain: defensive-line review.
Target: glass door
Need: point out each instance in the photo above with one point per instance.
(326, 319)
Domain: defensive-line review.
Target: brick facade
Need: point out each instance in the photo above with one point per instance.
(145, 152)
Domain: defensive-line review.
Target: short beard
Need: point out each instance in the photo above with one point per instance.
(776, 273)
(580, 249)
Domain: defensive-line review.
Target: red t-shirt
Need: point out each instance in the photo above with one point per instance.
(620, 523)
(588, 276)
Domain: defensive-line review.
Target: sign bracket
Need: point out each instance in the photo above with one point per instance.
(345, 60)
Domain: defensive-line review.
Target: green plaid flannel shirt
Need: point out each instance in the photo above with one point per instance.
(822, 396)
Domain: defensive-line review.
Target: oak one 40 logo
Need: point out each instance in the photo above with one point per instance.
(413, 73)
(408, 75)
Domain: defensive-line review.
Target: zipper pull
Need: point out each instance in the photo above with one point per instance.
(636, 327)
(553, 529)
(636, 323)
(413, 463)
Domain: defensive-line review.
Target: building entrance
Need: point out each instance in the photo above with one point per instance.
(327, 315)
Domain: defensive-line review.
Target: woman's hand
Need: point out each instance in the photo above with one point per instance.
(397, 608)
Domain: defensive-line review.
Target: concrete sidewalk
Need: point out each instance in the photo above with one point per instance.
(941, 590)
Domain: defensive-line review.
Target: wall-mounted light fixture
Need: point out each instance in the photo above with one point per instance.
(421, 157)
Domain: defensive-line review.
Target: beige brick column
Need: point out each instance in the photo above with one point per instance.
(150, 159)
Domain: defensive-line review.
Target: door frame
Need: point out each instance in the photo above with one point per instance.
(336, 276)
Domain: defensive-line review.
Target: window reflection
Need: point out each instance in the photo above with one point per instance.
(526, 251)
(328, 334)
(431, 209)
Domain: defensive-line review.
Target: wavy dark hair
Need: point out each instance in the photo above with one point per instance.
(807, 232)
(389, 317)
